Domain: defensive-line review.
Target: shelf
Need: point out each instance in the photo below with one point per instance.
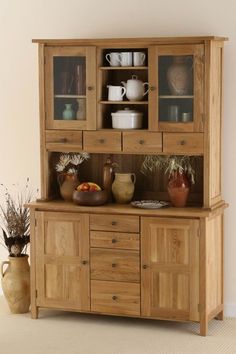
(69, 96)
(174, 97)
(123, 68)
(124, 102)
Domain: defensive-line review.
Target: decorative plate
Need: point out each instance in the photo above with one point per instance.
(149, 204)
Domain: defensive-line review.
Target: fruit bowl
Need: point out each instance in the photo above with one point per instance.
(92, 198)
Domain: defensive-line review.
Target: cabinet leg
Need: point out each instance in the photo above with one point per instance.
(34, 312)
(220, 316)
(203, 327)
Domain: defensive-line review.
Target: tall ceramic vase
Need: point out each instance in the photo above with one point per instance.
(67, 182)
(179, 76)
(178, 189)
(16, 283)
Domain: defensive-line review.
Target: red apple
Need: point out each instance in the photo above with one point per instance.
(84, 187)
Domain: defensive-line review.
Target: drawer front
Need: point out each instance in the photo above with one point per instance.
(142, 142)
(121, 223)
(115, 265)
(183, 143)
(98, 141)
(114, 297)
(63, 140)
(117, 240)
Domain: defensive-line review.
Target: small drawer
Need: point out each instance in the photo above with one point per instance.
(99, 141)
(121, 223)
(119, 240)
(187, 143)
(114, 297)
(142, 142)
(63, 140)
(115, 265)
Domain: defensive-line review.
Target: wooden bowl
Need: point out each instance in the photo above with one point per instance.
(90, 198)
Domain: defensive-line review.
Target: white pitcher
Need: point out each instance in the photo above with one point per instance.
(135, 89)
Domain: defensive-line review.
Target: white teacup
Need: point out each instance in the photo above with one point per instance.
(126, 58)
(116, 93)
(113, 58)
(138, 58)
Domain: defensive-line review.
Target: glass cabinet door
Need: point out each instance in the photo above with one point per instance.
(177, 73)
(70, 86)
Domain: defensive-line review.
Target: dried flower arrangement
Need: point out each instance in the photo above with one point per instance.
(15, 219)
(170, 163)
(69, 162)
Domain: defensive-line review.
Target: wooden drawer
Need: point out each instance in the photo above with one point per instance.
(121, 223)
(186, 143)
(114, 297)
(118, 240)
(142, 142)
(63, 140)
(99, 141)
(115, 265)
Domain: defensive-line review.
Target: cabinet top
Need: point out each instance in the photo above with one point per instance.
(138, 40)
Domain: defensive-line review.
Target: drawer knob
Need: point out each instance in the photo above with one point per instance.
(63, 140)
(114, 223)
(114, 297)
(90, 88)
(113, 265)
(152, 88)
(101, 141)
(145, 266)
(84, 262)
(182, 142)
(141, 142)
(113, 240)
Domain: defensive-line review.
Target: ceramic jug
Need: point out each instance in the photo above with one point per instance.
(123, 187)
(135, 89)
(67, 182)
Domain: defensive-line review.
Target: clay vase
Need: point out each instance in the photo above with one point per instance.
(16, 283)
(179, 76)
(123, 187)
(67, 182)
(178, 189)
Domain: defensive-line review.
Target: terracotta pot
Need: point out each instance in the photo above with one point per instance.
(68, 182)
(16, 283)
(178, 189)
(123, 187)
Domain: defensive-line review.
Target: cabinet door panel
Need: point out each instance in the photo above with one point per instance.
(170, 268)
(62, 266)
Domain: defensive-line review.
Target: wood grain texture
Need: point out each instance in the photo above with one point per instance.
(115, 265)
(114, 223)
(114, 240)
(102, 142)
(61, 141)
(182, 143)
(115, 297)
(140, 142)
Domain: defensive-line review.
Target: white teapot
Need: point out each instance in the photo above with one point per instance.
(135, 88)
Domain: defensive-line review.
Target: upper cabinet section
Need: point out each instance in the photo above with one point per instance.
(70, 87)
(176, 80)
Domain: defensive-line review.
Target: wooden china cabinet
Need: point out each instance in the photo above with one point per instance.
(116, 259)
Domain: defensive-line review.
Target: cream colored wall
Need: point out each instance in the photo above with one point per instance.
(20, 21)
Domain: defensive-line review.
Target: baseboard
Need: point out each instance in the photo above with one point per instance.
(230, 310)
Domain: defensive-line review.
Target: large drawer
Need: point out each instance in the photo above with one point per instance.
(114, 265)
(142, 142)
(121, 223)
(187, 143)
(100, 141)
(114, 297)
(63, 140)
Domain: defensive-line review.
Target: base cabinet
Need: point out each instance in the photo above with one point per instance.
(62, 260)
(170, 268)
(132, 265)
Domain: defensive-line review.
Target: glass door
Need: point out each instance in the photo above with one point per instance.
(177, 73)
(70, 88)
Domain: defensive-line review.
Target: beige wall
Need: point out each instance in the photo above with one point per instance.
(20, 21)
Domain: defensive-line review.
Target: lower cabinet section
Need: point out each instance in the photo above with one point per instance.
(115, 297)
(147, 266)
